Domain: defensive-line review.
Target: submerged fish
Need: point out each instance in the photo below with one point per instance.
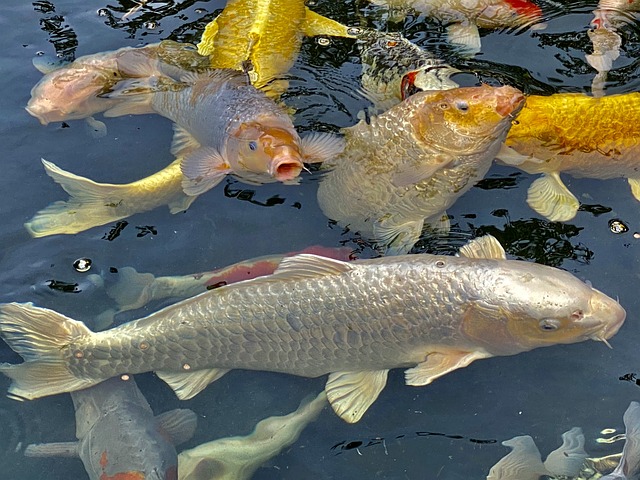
(237, 458)
(264, 38)
(408, 165)
(92, 204)
(464, 17)
(119, 437)
(392, 65)
(224, 125)
(576, 134)
(316, 316)
(74, 91)
(629, 466)
(524, 461)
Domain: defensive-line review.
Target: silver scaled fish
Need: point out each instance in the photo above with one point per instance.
(314, 316)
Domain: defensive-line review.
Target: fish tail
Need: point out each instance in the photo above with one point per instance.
(90, 204)
(39, 336)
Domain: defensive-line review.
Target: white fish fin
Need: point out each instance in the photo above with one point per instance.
(486, 246)
(46, 65)
(96, 128)
(440, 225)
(183, 142)
(352, 393)
(131, 289)
(206, 45)
(426, 169)
(552, 199)
(316, 24)
(139, 104)
(218, 75)
(634, 183)
(522, 463)
(180, 424)
(307, 265)
(188, 385)
(203, 169)
(40, 336)
(438, 364)
(568, 459)
(466, 36)
(629, 466)
(181, 204)
(320, 147)
(510, 156)
(57, 449)
(398, 239)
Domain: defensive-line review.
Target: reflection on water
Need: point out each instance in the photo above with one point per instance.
(61, 35)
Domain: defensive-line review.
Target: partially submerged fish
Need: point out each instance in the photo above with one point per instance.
(264, 38)
(224, 125)
(316, 316)
(91, 204)
(237, 458)
(463, 17)
(74, 91)
(392, 65)
(408, 165)
(629, 466)
(524, 461)
(119, 437)
(576, 134)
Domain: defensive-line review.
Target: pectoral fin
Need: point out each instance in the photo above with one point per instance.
(180, 424)
(188, 385)
(522, 463)
(203, 169)
(96, 128)
(552, 199)
(466, 36)
(425, 169)
(59, 449)
(438, 364)
(568, 459)
(510, 156)
(634, 183)
(352, 393)
(486, 246)
(206, 45)
(320, 147)
(398, 239)
(183, 142)
(316, 24)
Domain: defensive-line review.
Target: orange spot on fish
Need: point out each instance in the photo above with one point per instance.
(124, 476)
(103, 460)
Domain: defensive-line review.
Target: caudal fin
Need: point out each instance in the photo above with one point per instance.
(41, 337)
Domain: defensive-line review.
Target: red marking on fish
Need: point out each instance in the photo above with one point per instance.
(124, 476)
(525, 8)
(103, 460)
(406, 85)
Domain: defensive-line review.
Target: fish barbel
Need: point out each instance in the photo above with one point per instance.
(576, 134)
(408, 165)
(316, 316)
(224, 125)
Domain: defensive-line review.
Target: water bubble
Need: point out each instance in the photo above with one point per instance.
(40, 53)
(354, 30)
(150, 25)
(323, 41)
(636, 235)
(617, 226)
(200, 10)
(82, 264)
(103, 12)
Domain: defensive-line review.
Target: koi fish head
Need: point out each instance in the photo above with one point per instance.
(265, 149)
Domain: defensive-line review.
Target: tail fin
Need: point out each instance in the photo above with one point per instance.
(41, 337)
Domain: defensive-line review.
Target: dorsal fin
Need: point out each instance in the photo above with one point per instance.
(483, 247)
(306, 265)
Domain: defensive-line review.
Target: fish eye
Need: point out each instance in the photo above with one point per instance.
(549, 324)
(462, 106)
(253, 146)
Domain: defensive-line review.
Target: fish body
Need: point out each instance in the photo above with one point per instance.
(408, 165)
(73, 91)
(391, 64)
(315, 316)
(579, 135)
(464, 17)
(225, 125)
(263, 38)
(119, 437)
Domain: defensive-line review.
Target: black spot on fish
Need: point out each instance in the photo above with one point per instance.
(113, 270)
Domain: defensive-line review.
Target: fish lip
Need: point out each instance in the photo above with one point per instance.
(604, 305)
(510, 102)
(285, 169)
(39, 115)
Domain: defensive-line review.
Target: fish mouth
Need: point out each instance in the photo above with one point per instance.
(34, 112)
(610, 314)
(286, 169)
(509, 101)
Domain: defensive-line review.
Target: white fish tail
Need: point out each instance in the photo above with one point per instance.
(40, 336)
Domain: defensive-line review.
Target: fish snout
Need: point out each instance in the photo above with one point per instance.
(509, 101)
(41, 112)
(608, 314)
(286, 165)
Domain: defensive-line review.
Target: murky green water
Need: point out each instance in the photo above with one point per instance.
(541, 393)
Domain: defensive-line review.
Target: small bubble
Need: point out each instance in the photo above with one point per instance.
(103, 12)
(82, 264)
(354, 31)
(636, 235)
(78, 354)
(323, 41)
(125, 377)
(143, 345)
(186, 366)
(199, 10)
(40, 53)
(617, 226)
(150, 25)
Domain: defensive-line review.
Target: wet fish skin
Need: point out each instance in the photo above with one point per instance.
(406, 166)
(313, 316)
(579, 135)
(119, 437)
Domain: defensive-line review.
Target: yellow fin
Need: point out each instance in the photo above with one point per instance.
(307, 265)
(486, 246)
(568, 459)
(523, 462)
(352, 393)
(316, 24)
(552, 199)
(438, 364)
(188, 385)
(205, 47)
(634, 183)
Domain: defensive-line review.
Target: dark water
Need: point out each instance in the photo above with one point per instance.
(541, 393)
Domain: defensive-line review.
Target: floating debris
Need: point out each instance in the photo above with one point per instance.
(618, 226)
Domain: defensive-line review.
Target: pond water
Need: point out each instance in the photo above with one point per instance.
(541, 393)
